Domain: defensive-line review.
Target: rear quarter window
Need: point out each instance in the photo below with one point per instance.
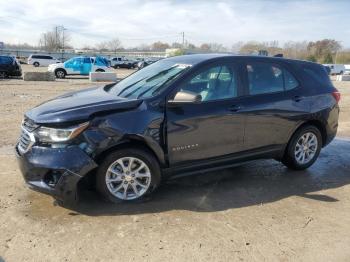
(316, 75)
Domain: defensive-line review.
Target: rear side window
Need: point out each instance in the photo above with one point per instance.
(289, 80)
(87, 60)
(269, 78)
(42, 57)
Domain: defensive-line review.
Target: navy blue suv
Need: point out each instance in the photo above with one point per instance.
(178, 116)
(9, 67)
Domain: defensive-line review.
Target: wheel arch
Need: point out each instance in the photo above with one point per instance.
(62, 69)
(88, 181)
(136, 142)
(317, 123)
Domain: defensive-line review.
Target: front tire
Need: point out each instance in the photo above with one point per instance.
(128, 175)
(60, 73)
(304, 148)
(36, 64)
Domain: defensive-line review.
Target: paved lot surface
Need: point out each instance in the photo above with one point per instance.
(259, 211)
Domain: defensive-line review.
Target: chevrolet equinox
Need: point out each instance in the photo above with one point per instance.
(176, 117)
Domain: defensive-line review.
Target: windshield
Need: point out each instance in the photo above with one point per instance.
(150, 80)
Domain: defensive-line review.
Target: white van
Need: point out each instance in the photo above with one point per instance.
(336, 69)
(347, 70)
(42, 60)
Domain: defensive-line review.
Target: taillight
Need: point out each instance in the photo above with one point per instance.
(336, 95)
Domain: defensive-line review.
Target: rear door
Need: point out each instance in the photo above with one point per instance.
(45, 60)
(213, 127)
(272, 104)
(86, 66)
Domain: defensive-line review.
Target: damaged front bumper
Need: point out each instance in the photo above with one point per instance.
(55, 171)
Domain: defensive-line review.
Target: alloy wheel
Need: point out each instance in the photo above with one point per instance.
(60, 74)
(306, 148)
(128, 178)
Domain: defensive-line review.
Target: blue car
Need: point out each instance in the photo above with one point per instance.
(80, 66)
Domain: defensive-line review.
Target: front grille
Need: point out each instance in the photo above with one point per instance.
(29, 124)
(26, 140)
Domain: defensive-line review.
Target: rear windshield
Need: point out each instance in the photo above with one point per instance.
(6, 60)
(150, 80)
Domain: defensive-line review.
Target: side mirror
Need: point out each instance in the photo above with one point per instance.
(186, 97)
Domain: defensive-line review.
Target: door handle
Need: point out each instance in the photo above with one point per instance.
(297, 98)
(234, 108)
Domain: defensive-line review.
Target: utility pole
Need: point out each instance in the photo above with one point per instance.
(183, 39)
(56, 37)
(63, 40)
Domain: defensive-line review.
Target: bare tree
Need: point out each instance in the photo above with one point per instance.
(55, 39)
(102, 47)
(114, 45)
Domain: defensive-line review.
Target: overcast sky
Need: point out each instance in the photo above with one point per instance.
(136, 21)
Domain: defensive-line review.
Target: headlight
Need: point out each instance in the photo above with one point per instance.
(54, 135)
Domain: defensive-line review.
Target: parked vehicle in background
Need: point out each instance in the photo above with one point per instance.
(122, 62)
(347, 70)
(80, 66)
(144, 63)
(178, 116)
(328, 69)
(336, 69)
(42, 60)
(9, 66)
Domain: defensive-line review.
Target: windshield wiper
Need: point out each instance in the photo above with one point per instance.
(128, 87)
(158, 87)
(161, 73)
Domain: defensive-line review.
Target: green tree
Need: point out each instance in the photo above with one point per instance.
(311, 58)
(327, 59)
(179, 52)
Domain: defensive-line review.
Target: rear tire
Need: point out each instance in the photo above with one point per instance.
(100, 70)
(60, 73)
(36, 64)
(303, 148)
(128, 174)
(3, 75)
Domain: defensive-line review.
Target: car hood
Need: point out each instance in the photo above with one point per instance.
(79, 106)
(55, 65)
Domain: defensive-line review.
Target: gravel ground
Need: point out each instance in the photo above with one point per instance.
(259, 211)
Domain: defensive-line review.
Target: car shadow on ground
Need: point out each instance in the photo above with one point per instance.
(253, 183)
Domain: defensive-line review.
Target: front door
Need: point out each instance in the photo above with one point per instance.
(213, 127)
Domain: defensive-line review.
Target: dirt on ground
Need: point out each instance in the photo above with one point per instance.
(259, 211)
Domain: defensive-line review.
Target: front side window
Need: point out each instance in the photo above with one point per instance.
(218, 82)
(77, 61)
(266, 78)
